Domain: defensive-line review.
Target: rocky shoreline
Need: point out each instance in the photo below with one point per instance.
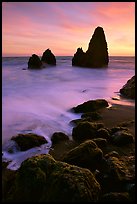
(97, 165)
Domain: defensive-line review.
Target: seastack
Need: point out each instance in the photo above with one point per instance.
(97, 53)
(34, 62)
(48, 57)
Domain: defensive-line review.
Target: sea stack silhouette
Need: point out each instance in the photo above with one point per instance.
(34, 62)
(48, 57)
(97, 53)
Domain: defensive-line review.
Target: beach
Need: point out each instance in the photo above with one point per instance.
(114, 116)
(41, 102)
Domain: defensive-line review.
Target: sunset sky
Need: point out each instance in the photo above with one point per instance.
(33, 27)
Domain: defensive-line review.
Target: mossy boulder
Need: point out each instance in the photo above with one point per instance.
(85, 130)
(122, 137)
(90, 106)
(103, 133)
(34, 62)
(93, 115)
(101, 142)
(28, 141)
(116, 197)
(58, 137)
(128, 90)
(42, 179)
(122, 169)
(119, 174)
(86, 155)
(8, 178)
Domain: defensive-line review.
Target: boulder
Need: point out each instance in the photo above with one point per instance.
(119, 176)
(28, 141)
(85, 130)
(122, 137)
(128, 90)
(43, 179)
(34, 62)
(97, 53)
(103, 133)
(58, 137)
(116, 197)
(93, 115)
(48, 57)
(86, 155)
(101, 142)
(90, 106)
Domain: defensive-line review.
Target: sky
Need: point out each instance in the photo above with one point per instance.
(33, 27)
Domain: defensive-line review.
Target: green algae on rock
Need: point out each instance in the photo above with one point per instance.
(86, 155)
(90, 106)
(43, 179)
(86, 130)
(28, 141)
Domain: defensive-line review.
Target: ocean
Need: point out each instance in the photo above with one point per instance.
(40, 101)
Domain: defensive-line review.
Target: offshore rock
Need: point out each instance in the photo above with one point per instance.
(43, 179)
(48, 57)
(34, 62)
(97, 53)
(128, 90)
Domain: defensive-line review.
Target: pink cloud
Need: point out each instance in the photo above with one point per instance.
(28, 26)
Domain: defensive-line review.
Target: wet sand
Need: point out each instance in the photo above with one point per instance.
(116, 115)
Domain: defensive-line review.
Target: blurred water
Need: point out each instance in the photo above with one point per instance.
(40, 100)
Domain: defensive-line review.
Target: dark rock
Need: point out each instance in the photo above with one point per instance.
(58, 136)
(115, 197)
(86, 155)
(120, 172)
(79, 58)
(101, 142)
(90, 106)
(112, 154)
(48, 57)
(97, 53)
(103, 133)
(85, 130)
(122, 168)
(28, 141)
(122, 138)
(8, 177)
(92, 115)
(34, 62)
(128, 90)
(42, 179)
(116, 129)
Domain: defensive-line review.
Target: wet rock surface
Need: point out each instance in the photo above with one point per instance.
(28, 141)
(43, 179)
(128, 90)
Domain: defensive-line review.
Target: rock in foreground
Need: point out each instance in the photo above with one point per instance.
(97, 53)
(28, 141)
(34, 62)
(128, 90)
(91, 105)
(86, 155)
(42, 179)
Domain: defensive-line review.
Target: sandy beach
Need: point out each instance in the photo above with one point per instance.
(115, 116)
